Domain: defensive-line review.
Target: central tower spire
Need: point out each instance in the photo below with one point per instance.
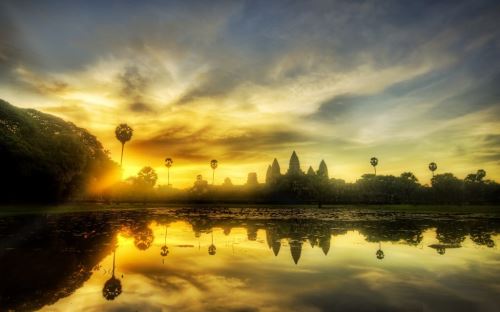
(294, 167)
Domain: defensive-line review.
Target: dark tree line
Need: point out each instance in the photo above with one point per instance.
(315, 187)
(45, 159)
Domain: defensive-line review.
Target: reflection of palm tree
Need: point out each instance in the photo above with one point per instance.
(113, 286)
(433, 167)
(123, 133)
(213, 164)
(212, 249)
(164, 249)
(374, 163)
(380, 254)
(168, 164)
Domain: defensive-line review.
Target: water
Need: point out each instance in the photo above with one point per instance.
(249, 260)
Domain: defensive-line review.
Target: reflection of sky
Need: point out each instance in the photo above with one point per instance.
(246, 276)
(246, 81)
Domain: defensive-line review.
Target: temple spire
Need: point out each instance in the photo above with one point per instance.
(294, 167)
(310, 171)
(323, 170)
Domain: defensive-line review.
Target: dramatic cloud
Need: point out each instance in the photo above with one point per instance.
(247, 81)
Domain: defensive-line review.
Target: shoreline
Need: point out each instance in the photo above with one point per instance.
(77, 207)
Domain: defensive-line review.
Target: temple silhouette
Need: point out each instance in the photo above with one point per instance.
(273, 173)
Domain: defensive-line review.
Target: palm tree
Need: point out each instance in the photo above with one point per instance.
(374, 163)
(123, 133)
(168, 164)
(433, 167)
(214, 163)
(113, 286)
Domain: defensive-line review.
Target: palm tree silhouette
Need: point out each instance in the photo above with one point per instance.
(113, 286)
(380, 254)
(164, 249)
(433, 167)
(168, 164)
(212, 249)
(374, 163)
(123, 133)
(213, 164)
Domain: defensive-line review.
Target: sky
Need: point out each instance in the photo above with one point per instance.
(244, 82)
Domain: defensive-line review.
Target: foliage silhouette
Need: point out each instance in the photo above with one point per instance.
(147, 176)
(45, 159)
(316, 187)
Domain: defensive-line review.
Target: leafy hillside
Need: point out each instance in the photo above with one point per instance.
(44, 158)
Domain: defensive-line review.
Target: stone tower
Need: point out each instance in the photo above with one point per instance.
(294, 167)
(311, 172)
(252, 179)
(269, 174)
(273, 172)
(323, 170)
(275, 169)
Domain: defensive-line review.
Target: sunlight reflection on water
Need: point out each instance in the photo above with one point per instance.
(193, 261)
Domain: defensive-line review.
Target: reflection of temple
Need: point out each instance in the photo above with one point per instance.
(57, 254)
(318, 236)
(295, 250)
(273, 240)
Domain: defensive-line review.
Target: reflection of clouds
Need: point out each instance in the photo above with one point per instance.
(254, 279)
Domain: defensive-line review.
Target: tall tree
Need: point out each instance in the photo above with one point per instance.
(123, 133)
(432, 168)
(213, 164)
(147, 177)
(374, 163)
(168, 164)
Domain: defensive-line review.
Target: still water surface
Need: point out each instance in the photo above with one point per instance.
(249, 260)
